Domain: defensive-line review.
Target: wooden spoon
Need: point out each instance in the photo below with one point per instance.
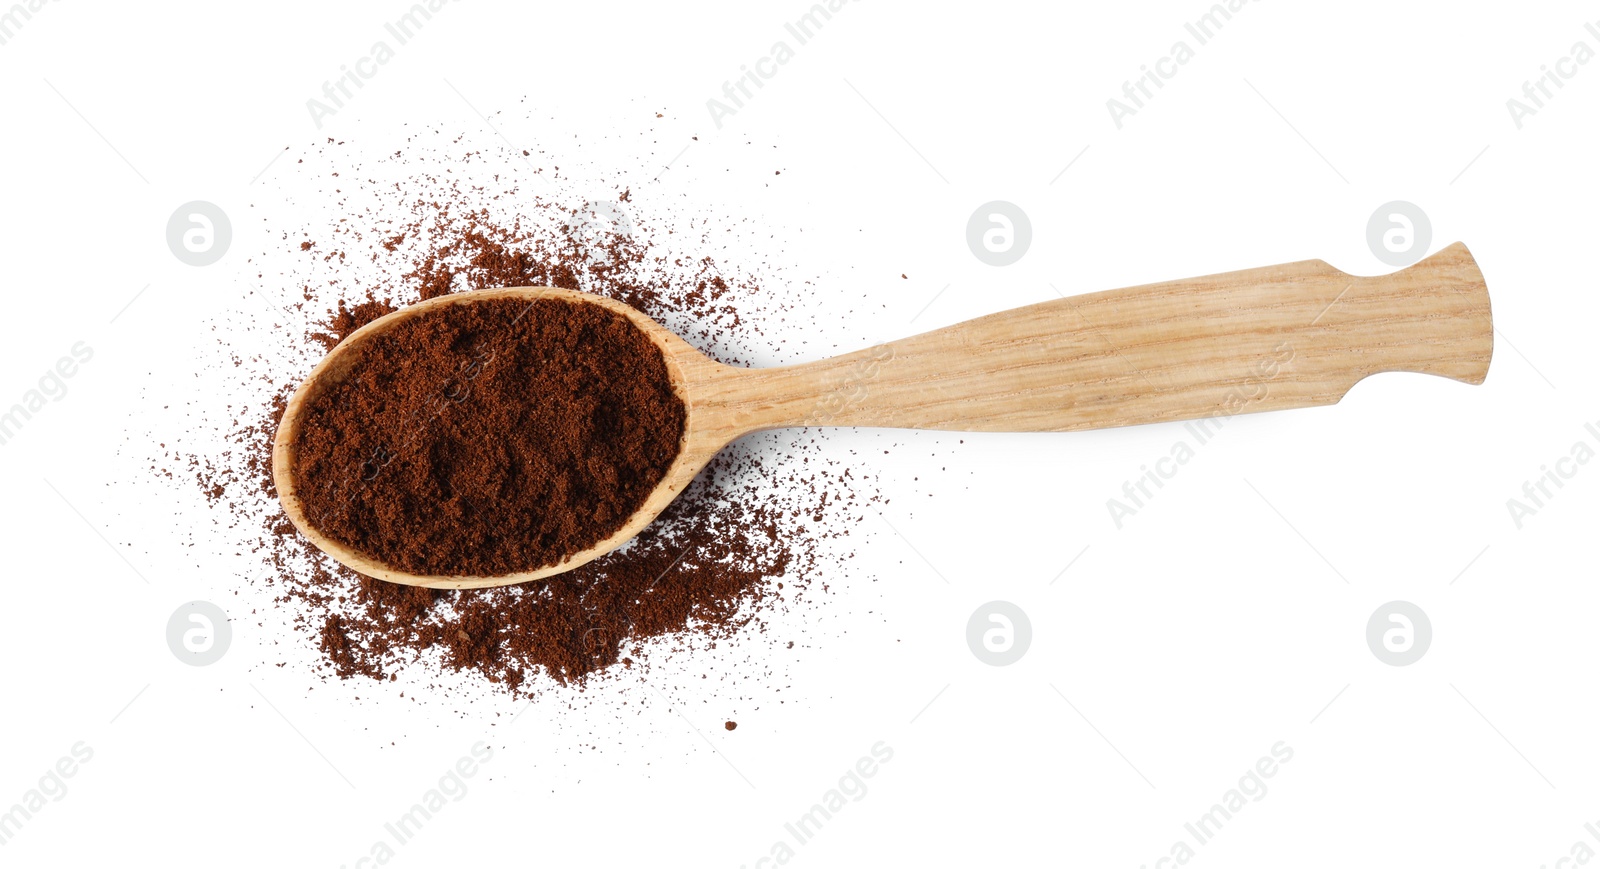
(1272, 338)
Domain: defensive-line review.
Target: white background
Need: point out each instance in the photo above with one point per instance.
(1219, 621)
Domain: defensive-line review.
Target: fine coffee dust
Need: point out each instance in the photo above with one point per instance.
(489, 438)
(733, 567)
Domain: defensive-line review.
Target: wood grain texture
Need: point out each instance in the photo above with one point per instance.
(1272, 338)
(1278, 337)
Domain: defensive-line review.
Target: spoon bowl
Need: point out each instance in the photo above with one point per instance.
(1277, 337)
(686, 367)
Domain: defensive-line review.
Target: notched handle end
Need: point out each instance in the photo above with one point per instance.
(1431, 318)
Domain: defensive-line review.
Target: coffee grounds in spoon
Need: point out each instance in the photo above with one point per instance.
(489, 438)
(736, 581)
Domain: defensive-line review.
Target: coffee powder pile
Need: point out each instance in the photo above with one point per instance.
(729, 566)
(489, 438)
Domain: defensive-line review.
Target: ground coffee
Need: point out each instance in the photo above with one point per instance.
(354, 234)
(489, 438)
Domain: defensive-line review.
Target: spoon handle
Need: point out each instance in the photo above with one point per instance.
(1285, 336)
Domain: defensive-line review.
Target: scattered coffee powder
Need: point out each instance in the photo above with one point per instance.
(757, 535)
(489, 438)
